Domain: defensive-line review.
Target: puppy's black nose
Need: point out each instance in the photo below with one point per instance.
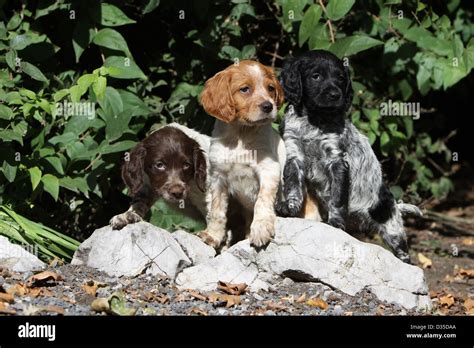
(334, 94)
(176, 191)
(266, 107)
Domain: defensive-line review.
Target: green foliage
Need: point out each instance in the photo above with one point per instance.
(23, 231)
(140, 63)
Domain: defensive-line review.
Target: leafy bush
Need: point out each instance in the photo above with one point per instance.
(141, 63)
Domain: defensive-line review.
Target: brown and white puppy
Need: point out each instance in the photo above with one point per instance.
(246, 155)
(170, 163)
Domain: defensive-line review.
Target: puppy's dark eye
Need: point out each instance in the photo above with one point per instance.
(186, 165)
(245, 89)
(341, 77)
(316, 77)
(271, 88)
(160, 166)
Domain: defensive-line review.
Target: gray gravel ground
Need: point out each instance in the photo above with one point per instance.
(158, 296)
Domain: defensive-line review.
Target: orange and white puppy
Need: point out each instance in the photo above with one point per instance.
(246, 155)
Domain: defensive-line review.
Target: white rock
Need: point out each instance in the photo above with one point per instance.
(236, 265)
(197, 251)
(16, 258)
(137, 248)
(305, 250)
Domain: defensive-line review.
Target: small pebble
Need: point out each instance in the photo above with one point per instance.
(337, 310)
(287, 282)
(257, 297)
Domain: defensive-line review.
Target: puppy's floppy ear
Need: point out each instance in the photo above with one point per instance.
(349, 92)
(291, 81)
(216, 98)
(279, 94)
(133, 170)
(200, 168)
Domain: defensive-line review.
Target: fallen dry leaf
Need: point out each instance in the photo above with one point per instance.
(56, 262)
(446, 300)
(232, 289)
(290, 299)
(197, 295)
(302, 298)
(273, 306)
(17, 289)
(5, 310)
(469, 305)
(180, 298)
(91, 287)
(198, 311)
(42, 278)
(424, 261)
(466, 273)
(468, 241)
(100, 304)
(8, 298)
(53, 309)
(153, 297)
(380, 310)
(317, 302)
(228, 300)
(349, 314)
(35, 292)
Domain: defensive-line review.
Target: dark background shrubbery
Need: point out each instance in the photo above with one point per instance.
(145, 62)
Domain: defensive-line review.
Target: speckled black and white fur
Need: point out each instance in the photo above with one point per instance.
(327, 156)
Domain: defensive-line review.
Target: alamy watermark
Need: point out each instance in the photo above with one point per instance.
(391, 108)
(85, 109)
(238, 156)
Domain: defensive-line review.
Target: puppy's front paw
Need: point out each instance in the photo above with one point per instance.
(291, 207)
(120, 221)
(262, 231)
(209, 238)
(337, 222)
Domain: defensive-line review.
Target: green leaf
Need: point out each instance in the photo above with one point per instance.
(60, 94)
(308, 25)
(384, 143)
(112, 16)
(8, 135)
(56, 164)
(116, 125)
(123, 68)
(5, 112)
(82, 36)
(35, 175)
(121, 146)
(118, 305)
(14, 22)
(133, 104)
(112, 103)
(10, 57)
(33, 72)
(27, 93)
(51, 185)
(112, 39)
(336, 9)
(9, 171)
(85, 81)
(353, 44)
(397, 192)
(99, 87)
(150, 6)
(78, 184)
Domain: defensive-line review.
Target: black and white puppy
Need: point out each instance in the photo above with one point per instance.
(327, 157)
